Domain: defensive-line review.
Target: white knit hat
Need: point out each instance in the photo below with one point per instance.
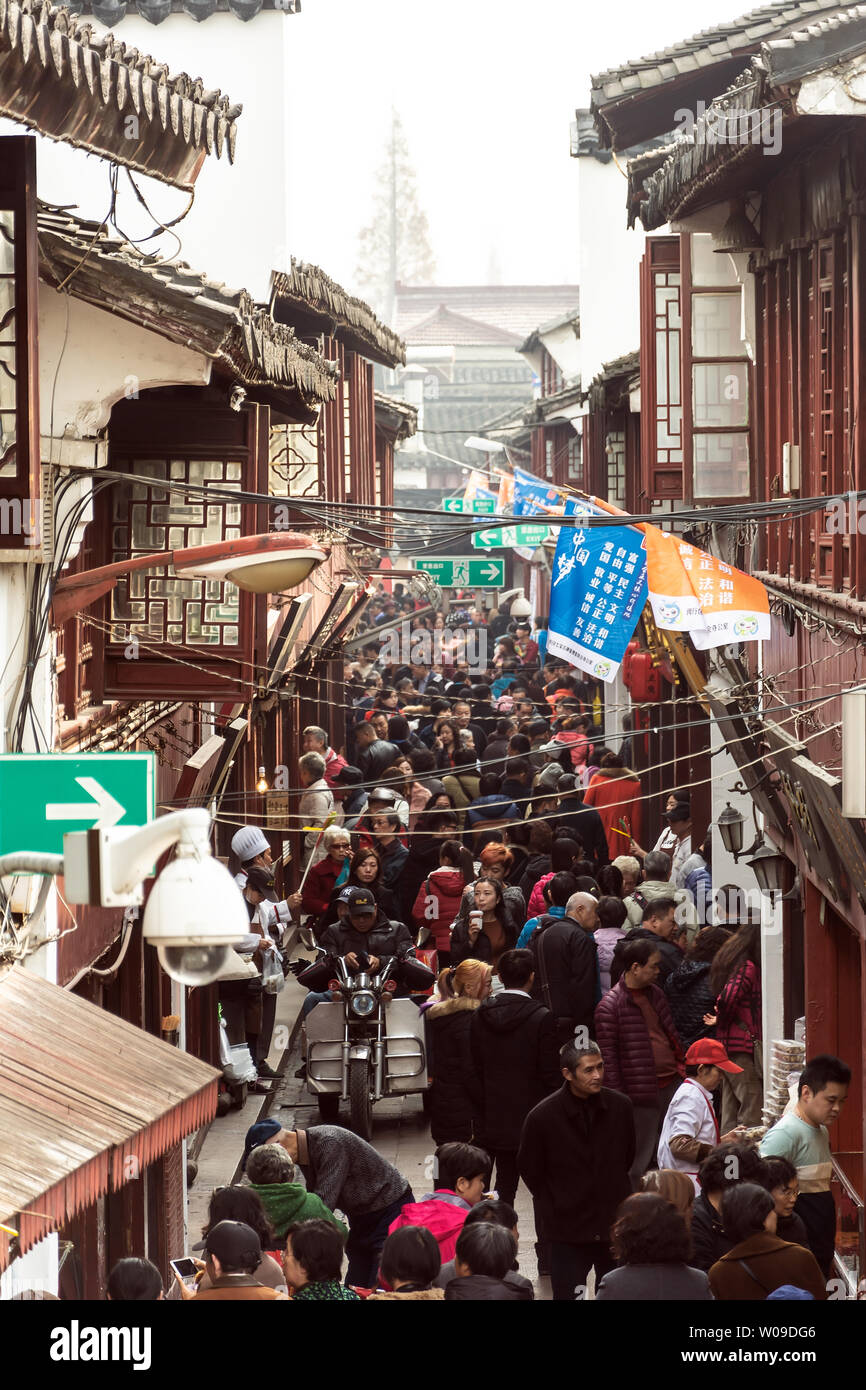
(248, 842)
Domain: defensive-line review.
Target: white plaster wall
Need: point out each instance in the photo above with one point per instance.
(563, 344)
(239, 228)
(89, 358)
(609, 260)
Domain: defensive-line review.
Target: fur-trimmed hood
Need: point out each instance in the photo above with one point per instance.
(616, 772)
(452, 1006)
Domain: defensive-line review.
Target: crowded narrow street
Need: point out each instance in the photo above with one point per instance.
(432, 598)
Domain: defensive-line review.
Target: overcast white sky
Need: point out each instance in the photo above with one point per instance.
(486, 90)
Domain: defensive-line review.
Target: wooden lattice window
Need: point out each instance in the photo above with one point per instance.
(662, 450)
(715, 374)
(148, 603)
(20, 480)
(159, 635)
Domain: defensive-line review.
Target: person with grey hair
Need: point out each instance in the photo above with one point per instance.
(272, 1175)
(567, 980)
(657, 884)
(315, 740)
(316, 807)
(576, 1149)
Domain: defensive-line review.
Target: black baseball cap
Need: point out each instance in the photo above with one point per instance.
(349, 776)
(260, 880)
(234, 1243)
(360, 902)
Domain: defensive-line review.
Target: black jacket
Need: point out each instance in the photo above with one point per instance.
(517, 1281)
(423, 858)
(376, 759)
(515, 1064)
(690, 997)
(537, 867)
(385, 938)
(575, 1157)
(480, 1288)
(709, 1242)
(568, 957)
(587, 823)
(449, 1062)
(671, 955)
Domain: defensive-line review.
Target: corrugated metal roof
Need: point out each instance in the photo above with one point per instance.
(86, 1101)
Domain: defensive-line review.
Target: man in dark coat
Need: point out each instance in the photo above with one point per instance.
(575, 1153)
(365, 928)
(515, 1064)
(582, 821)
(657, 926)
(725, 1166)
(374, 755)
(566, 966)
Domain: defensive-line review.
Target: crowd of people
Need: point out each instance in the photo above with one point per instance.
(595, 1030)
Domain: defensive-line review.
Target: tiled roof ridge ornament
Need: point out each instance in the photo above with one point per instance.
(112, 12)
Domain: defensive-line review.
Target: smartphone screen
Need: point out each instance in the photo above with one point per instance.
(186, 1268)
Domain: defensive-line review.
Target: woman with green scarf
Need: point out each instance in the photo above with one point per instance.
(271, 1174)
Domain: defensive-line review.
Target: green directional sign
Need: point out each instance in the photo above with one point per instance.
(44, 796)
(459, 572)
(482, 506)
(497, 538)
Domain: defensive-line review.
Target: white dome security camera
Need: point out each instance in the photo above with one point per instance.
(194, 914)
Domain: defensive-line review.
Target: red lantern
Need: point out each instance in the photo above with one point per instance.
(626, 662)
(645, 684)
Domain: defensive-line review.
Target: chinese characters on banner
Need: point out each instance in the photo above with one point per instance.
(533, 496)
(695, 592)
(598, 591)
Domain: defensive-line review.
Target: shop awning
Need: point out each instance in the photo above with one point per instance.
(87, 1100)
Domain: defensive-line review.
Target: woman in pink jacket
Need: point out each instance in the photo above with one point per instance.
(440, 895)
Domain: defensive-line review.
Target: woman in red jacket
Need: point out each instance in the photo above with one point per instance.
(735, 979)
(441, 894)
(614, 791)
(641, 1050)
(330, 873)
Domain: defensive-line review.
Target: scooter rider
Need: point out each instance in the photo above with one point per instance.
(365, 928)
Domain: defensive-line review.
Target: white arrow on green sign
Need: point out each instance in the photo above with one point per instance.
(43, 796)
(503, 536)
(481, 506)
(459, 572)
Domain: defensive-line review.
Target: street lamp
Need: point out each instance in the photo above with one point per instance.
(730, 825)
(265, 564)
(771, 869)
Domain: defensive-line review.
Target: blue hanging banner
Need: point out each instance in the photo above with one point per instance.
(534, 497)
(597, 594)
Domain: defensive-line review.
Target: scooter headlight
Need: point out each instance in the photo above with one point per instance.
(363, 1003)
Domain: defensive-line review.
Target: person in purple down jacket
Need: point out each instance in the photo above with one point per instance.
(642, 1054)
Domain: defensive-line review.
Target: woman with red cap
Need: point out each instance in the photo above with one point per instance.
(690, 1129)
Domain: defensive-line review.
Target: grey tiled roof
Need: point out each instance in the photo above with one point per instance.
(516, 309)
(170, 298)
(111, 12)
(307, 290)
(707, 47)
(59, 78)
(443, 328)
(828, 40)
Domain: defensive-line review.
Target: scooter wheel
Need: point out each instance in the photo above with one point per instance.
(361, 1107)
